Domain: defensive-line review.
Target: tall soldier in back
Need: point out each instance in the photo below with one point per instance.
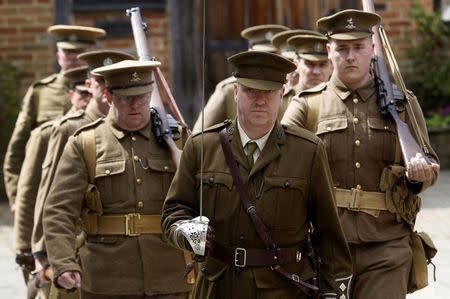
(46, 99)
(376, 191)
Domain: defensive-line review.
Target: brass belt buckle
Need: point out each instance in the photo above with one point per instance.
(130, 224)
(238, 252)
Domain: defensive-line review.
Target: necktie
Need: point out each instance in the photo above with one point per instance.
(251, 148)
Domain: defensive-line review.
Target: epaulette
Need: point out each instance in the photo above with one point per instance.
(46, 80)
(47, 124)
(301, 132)
(73, 115)
(227, 81)
(318, 88)
(93, 124)
(215, 127)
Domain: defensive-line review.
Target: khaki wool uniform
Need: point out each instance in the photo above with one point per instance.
(360, 142)
(132, 174)
(45, 100)
(61, 132)
(285, 197)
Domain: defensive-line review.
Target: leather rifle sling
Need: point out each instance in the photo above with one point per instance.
(250, 209)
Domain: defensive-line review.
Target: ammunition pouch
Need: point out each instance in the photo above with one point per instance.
(93, 200)
(423, 250)
(399, 200)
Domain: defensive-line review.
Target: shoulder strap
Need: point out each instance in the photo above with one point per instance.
(312, 118)
(89, 152)
(250, 209)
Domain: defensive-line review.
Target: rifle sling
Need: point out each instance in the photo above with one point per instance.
(260, 227)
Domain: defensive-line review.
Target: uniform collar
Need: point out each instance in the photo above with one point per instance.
(261, 142)
(289, 88)
(120, 133)
(343, 92)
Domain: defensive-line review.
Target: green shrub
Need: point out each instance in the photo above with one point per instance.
(430, 76)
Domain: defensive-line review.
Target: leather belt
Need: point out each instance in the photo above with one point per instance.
(253, 257)
(126, 224)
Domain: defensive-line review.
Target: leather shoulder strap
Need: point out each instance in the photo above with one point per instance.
(89, 152)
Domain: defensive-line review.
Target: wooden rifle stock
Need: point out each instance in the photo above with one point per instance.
(144, 55)
(388, 102)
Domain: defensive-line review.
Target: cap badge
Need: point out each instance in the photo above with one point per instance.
(318, 47)
(107, 61)
(135, 77)
(350, 24)
(73, 37)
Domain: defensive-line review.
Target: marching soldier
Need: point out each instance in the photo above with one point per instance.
(376, 192)
(312, 63)
(32, 168)
(62, 130)
(114, 176)
(221, 105)
(46, 99)
(269, 258)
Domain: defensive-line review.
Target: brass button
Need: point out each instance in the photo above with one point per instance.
(386, 127)
(133, 138)
(355, 100)
(211, 180)
(355, 120)
(139, 181)
(136, 158)
(108, 172)
(358, 165)
(358, 187)
(357, 142)
(328, 128)
(140, 204)
(286, 184)
(166, 168)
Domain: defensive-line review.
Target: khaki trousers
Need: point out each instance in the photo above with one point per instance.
(381, 269)
(87, 295)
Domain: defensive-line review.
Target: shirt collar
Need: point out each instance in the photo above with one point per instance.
(261, 142)
(120, 133)
(343, 92)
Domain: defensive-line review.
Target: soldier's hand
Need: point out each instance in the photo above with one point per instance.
(417, 169)
(69, 280)
(41, 265)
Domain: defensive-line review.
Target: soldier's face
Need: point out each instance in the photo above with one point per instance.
(351, 60)
(130, 113)
(257, 110)
(313, 73)
(67, 59)
(79, 99)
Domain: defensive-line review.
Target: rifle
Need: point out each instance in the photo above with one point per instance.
(389, 98)
(163, 129)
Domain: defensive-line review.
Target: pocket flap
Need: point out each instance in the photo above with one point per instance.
(284, 182)
(380, 124)
(107, 168)
(330, 125)
(213, 178)
(161, 165)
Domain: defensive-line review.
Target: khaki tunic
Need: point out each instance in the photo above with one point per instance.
(28, 185)
(61, 132)
(360, 142)
(132, 174)
(286, 199)
(45, 100)
(221, 105)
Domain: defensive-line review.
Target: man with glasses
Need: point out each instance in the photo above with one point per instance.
(114, 175)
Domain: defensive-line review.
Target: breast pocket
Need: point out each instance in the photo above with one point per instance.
(382, 139)
(161, 172)
(218, 203)
(332, 132)
(283, 204)
(109, 179)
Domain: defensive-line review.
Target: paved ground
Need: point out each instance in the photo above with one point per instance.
(434, 219)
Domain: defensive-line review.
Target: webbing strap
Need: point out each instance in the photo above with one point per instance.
(89, 152)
